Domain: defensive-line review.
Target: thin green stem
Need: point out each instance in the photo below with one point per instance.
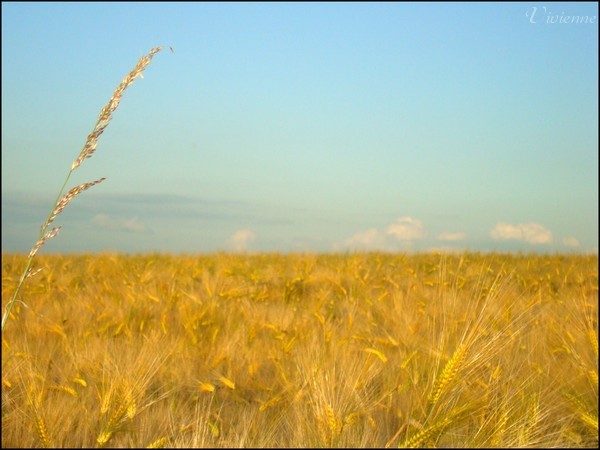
(12, 301)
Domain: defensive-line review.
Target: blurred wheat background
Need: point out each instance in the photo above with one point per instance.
(272, 350)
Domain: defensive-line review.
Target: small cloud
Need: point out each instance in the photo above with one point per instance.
(369, 239)
(109, 223)
(533, 233)
(406, 229)
(506, 231)
(239, 241)
(571, 242)
(536, 233)
(447, 236)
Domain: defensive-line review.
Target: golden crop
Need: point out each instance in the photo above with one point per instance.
(301, 350)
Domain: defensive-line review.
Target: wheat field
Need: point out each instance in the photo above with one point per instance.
(301, 350)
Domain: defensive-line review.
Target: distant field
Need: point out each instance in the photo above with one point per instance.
(269, 350)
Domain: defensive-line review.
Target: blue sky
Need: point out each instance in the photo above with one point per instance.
(304, 127)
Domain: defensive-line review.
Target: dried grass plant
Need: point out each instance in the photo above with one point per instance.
(62, 200)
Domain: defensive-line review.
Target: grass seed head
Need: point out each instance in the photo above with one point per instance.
(448, 374)
(106, 113)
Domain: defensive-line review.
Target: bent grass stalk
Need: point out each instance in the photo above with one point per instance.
(88, 150)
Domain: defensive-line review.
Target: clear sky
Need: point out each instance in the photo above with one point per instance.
(304, 127)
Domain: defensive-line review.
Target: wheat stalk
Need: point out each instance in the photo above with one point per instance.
(334, 422)
(448, 374)
(593, 340)
(42, 430)
(159, 443)
(69, 390)
(426, 434)
(119, 415)
(88, 149)
(436, 429)
(500, 427)
(590, 420)
(34, 400)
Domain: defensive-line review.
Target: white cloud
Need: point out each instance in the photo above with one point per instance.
(533, 233)
(109, 223)
(239, 241)
(406, 229)
(571, 242)
(506, 231)
(447, 236)
(536, 233)
(369, 239)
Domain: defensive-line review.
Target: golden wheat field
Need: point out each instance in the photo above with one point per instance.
(301, 350)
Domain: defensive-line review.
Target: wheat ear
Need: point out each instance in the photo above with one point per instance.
(426, 434)
(448, 374)
(88, 149)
